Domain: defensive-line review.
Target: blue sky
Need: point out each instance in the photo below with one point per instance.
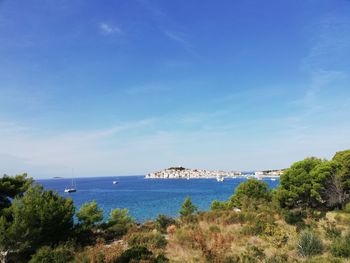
(128, 87)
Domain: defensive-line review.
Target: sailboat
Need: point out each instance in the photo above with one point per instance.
(72, 188)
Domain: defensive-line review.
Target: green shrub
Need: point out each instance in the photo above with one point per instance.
(254, 229)
(147, 239)
(160, 259)
(120, 216)
(275, 235)
(140, 254)
(52, 255)
(163, 221)
(341, 247)
(214, 229)
(331, 230)
(253, 254)
(116, 231)
(309, 244)
(90, 214)
(253, 190)
(283, 258)
(188, 209)
(347, 208)
(118, 224)
(217, 205)
(322, 259)
(234, 218)
(232, 259)
(135, 254)
(294, 216)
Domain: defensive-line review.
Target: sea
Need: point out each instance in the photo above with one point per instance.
(146, 198)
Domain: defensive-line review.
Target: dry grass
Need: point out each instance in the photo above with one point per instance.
(215, 236)
(100, 253)
(218, 235)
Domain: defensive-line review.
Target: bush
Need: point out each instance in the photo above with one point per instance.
(277, 259)
(253, 189)
(147, 239)
(90, 214)
(275, 235)
(294, 216)
(118, 224)
(163, 221)
(341, 247)
(188, 209)
(257, 228)
(120, 216)
(331, 230)
(134, 254)
(52, 255)
(217, 205)
(253, 254)
(100, 253)
(140, 254)
(347, 208)
(309, 244)
(116, 231)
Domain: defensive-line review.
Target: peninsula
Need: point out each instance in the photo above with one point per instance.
(186, 173)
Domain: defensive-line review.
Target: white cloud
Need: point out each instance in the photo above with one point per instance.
(109, 29)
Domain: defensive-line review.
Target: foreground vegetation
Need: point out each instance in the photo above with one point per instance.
(307, 219)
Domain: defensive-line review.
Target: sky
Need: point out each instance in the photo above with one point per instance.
(112, 87)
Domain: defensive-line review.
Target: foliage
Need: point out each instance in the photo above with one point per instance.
(100, 252)
(119, 222)
(12, 186)
(163, 221)
(315, 183)
(253, 190)
(47, 254)
(139, 253)
(90, 214)
(151, 239)
(343, 160)
(309, 244)
(275, 234)
(331, 230)
(38, 218)
(120, 216)
(217, 205)
(279, 258)
(347, 208)
(297, 183)
(341, 247)
(294, 216)
(188, 208)
(253, 254)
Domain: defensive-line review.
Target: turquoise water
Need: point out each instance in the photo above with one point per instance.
(145, 199)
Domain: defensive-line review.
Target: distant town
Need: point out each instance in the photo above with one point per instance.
(185, 173)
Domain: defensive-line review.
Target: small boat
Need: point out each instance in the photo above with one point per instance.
(115, 182)
(72, 188)
(273, 179)
(220, 179)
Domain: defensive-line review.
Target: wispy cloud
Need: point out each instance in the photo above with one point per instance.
(168, 26)
(95, 150)
(109, 29)
(179, 38)
(330, 39)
